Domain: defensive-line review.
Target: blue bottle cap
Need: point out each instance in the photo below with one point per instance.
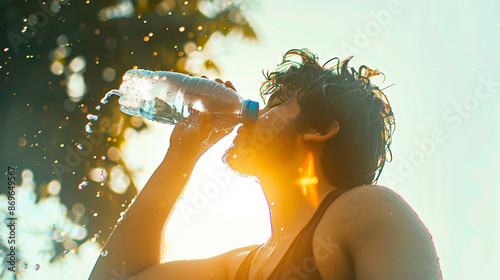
(250, 111)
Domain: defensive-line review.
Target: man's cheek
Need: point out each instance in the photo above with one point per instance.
(265, 136)
(248, 152)
(278, 122)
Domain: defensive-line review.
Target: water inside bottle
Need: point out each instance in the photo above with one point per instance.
(160, 111)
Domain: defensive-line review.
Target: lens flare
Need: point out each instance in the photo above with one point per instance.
(309, 180)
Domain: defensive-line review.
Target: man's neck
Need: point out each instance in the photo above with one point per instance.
(290, 210)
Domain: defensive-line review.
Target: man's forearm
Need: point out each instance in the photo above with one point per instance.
(136, 242)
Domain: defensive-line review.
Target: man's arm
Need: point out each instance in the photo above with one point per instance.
(136, 243)
(381, 235)
(220, 267)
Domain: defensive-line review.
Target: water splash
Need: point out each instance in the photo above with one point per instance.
(104, 100)
(66, 251)
(82, 184)
(87, 127)
(98, 107)
(79, 146)
(92, 117)
(37, 267)
(104, 253)
(122, 215)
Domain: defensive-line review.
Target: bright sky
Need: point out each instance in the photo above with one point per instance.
(444, 58)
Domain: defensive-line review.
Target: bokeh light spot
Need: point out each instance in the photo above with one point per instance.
(76, 87)
(77, 64)
(21, 142)
(110, 43)
(119, 180)
(114, 154)
(109, 74)
(136, 121)
(97, 174)
(54, 187)
(57, 68)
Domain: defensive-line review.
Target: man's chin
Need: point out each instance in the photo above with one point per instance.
(237, 164)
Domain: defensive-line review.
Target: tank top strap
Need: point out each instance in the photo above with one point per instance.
(300, 250)
(300, 246)
(242, 273)
(327, 201)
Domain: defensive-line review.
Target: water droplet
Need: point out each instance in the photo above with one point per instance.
(66, 251)
(82, 184)
(122, 214)
(87, 127)
(92, 117)
(37, 267)
(98, 107)
(97, 195)
(104, 253)
(79, 146)
(102, 175)
(103, 158)
(95, 214)
(24, 266)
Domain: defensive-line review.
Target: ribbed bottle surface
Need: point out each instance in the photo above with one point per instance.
(170, 97)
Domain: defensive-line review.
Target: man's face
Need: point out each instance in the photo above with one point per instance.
(269, 142)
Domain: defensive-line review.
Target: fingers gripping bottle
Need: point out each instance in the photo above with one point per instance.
(170, 97)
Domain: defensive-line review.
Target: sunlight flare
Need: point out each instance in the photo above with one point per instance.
(309, 180)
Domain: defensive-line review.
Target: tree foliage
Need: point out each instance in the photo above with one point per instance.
(41, 126)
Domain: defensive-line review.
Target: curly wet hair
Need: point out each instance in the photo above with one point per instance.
(356, 156)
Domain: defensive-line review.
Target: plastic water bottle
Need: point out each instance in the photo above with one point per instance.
(170, 97)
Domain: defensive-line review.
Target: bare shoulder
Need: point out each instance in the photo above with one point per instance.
(381, 234)
(220, 267)
(366, 202)
(369, 206)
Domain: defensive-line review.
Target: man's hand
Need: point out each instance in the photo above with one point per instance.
(193, 139)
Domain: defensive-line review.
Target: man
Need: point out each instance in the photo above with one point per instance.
(316, 149)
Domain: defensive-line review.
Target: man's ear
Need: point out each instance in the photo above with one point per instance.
(315, 136)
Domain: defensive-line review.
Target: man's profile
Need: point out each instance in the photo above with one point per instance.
(334, 225)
